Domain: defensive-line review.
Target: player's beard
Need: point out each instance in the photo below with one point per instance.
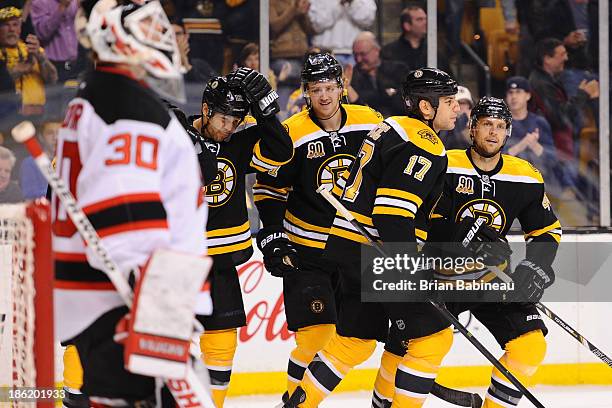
(483, 153)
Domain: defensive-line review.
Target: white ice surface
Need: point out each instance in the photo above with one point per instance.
(550, 396)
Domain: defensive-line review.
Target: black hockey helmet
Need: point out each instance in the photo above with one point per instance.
(321, 66)
(222, 97)
(489, 106)
(426, 84)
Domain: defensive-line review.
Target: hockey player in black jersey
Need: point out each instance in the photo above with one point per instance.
(296, 220)
(481, 183)
(398, 167)
(242, 144)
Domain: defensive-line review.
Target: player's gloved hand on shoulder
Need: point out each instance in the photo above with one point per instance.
(261, 96)
(530, 280)
(482, 241)
(280, 256)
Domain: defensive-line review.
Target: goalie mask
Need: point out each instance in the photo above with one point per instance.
(140, 35)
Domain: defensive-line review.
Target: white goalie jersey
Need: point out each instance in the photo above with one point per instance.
(134, 172)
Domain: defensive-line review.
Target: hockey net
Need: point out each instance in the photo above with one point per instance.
(26, 306)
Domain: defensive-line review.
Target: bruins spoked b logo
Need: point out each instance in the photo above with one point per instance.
(332, 168)
(317, 306)
(491, 211)
(221, 189)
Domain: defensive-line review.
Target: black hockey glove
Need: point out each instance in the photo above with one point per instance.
(280, 256)
(259, 93)
(482, 241)
(530, 280)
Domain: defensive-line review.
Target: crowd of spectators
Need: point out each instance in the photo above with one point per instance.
(552, 89)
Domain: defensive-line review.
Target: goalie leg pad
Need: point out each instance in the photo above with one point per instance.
(218, 348)
(309, 340)
(161, 326)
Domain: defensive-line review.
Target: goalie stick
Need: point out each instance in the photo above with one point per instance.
(188, 392)
(441, 309)
(555, 318)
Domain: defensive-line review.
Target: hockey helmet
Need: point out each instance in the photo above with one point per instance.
(223, 97)
(489, 106)
(139, 34)
(426, 84)
(321, 66)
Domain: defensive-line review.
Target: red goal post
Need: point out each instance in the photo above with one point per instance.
(26, 298)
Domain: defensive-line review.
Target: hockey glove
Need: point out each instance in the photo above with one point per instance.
(482, 241)
(530, 280)
(259, 93)
(280, 256)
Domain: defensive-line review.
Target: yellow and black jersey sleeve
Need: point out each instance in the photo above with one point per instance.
(273, 183)
(415, 163)
(273, 146)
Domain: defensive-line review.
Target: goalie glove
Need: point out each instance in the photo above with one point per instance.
(482, 241)
(530, 280)
(280, 256)
(259, 93)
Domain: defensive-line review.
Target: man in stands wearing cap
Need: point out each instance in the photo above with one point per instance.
(531, 137)
(459, 137)
(26, 62)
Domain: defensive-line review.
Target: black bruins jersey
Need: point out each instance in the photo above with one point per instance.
(288, 195)
(514, 189)
(399, 173)
(254, 146)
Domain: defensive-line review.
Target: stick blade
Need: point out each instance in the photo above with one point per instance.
(23, 131)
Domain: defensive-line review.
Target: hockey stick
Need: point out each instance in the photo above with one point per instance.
(188, 392)
(440, 307)
(555, 318)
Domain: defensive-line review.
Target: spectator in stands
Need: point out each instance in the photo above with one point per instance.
(374, 82)
(249, 57)
(33, 183)
(289, 31)
(54, 25)
(411, 47)
(550, 99)
(570, 25)
(202, 20)
(531, 137)
(459, 137)
(336, 23)
(26, 62)
(9, 190)
(198, 70)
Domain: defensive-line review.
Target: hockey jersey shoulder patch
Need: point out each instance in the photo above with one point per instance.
(518, 170)
(417, 133)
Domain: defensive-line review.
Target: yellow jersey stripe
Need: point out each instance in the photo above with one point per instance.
(383, 210)
(261, 197)
(400, 194)
(362, 219)
(303, 224)
(260, 156)
(305, 241)
(538, 232)
(351, 236)
(222, 232)
(229, 248)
